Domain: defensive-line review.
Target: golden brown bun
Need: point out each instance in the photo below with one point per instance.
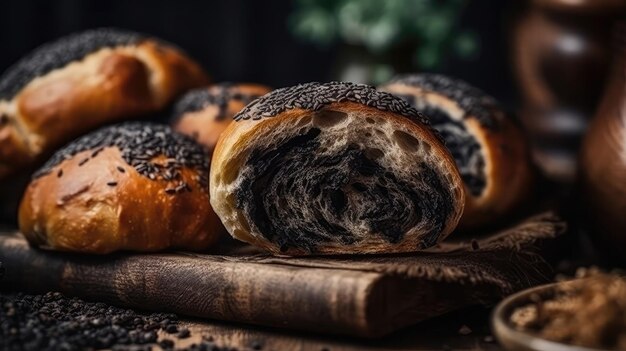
(132, 186)
(334, 168)
(500, 179)
(204, 113)
(82, 82)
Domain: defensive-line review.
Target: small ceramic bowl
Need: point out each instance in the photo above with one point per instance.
(514, 340)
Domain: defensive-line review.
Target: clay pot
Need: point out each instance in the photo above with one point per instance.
(561, 51)
(603, 158)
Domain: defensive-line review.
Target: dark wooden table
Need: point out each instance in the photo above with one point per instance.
(467, 329)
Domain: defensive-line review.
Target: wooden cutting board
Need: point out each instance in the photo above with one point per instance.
(366, 296)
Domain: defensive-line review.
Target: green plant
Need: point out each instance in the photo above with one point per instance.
(430, 26)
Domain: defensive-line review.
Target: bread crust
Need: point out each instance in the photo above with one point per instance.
(508, 167)
(246, 134)
(221, 103)
(81, 211)
(108, 85)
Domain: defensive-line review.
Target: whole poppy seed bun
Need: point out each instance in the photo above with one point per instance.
(488, 146)
(334, 168)
(132, 186)
(204, 113)
(81, 82)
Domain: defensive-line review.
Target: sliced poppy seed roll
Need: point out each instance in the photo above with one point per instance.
(489, 148)
(334, 168)
(133, 186)
(81, 82)
(205, 113)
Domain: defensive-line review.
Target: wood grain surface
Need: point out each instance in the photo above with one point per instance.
(367, 296)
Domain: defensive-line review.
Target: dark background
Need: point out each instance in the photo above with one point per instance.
(241, 40)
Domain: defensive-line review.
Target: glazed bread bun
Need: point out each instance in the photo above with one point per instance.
(78, 83)
(205, 113)
(488, 146)
(133, 186)
(334, 168)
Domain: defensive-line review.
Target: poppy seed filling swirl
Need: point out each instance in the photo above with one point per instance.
(308, 189)
(300, 193)
(348, 169)
(463, 145)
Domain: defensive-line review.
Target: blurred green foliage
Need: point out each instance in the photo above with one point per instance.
(430, 26)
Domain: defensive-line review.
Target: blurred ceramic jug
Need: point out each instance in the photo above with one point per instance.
(603, 158)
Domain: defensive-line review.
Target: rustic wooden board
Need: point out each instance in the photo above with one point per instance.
(362, 296)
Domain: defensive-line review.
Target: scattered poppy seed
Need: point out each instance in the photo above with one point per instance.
(166, 343)
(475, 245)
(58, 54)
(314, 96)
(219, 95)
(184, 333)
(468, 97)
(70, 324)
(139, 143)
